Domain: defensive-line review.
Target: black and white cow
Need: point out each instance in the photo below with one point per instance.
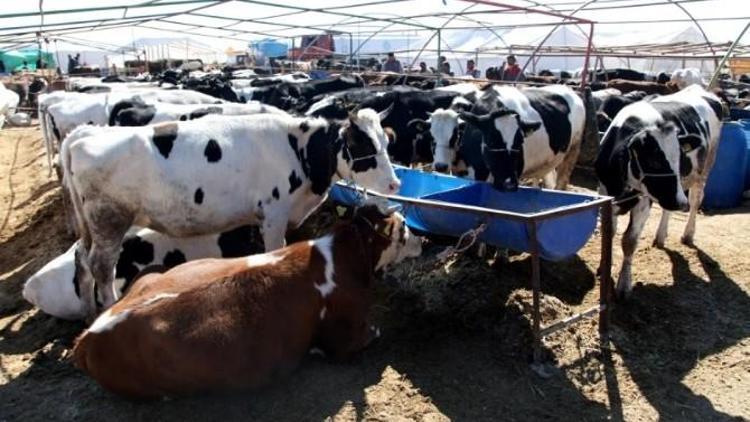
(205, 176)
(60, 113)
(613, 104)
(136, 112)
(412, 144)
(654, 151)
(55, 288)
(512, 134)
(291, 95)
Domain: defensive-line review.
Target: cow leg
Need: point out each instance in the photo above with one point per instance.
(548, 181)
(661, 232)
(107, 228)
(273, 231)
(69, 212)
(695, 198)
(565, 169)
(85, 280)
(638, 217)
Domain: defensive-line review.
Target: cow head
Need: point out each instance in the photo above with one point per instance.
(370, 242)
(364, 157)
(503, 134)
(655, 156)
(391, 238)
(445, 129)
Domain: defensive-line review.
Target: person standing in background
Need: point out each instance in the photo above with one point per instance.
(392, 65)
(471, 70)
(511, 70)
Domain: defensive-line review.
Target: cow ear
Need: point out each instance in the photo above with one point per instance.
(529, 127)
(689, 142)
(384, 114)
(419, 125)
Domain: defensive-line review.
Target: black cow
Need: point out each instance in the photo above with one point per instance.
(292, 95)
(653, 151)
(613, 104)
(628, 74)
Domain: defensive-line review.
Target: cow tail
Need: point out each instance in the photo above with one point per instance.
(44, 126)
(590, 129)
(590, 138)
(72, 192)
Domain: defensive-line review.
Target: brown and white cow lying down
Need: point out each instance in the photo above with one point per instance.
(218, 324)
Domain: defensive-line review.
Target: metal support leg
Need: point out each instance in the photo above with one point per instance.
(536, 291)
(605, 273)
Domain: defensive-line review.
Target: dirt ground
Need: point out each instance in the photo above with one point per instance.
(456, 342)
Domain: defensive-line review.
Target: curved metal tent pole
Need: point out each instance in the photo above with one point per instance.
(555, 14)
(700, 28)
(584, 73)
(437, 32)
(724, 59)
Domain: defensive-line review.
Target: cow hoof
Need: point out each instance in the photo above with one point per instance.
(658, 243)
(687, 241)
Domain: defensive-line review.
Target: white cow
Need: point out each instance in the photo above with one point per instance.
(138, 113)
(686, 77)
(205, 176)
(55, 288)
(61, 112)
(8, 103)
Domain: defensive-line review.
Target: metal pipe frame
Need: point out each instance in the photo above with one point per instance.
(601, 203)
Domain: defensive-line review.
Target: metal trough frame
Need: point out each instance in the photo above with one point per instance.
(603, 203)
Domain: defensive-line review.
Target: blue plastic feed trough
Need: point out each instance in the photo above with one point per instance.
(414, 184)
(451, 206)
(559, 237)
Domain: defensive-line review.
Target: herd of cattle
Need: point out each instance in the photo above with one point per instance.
(154, 178)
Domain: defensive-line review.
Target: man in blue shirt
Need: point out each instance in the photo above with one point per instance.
(391, 64)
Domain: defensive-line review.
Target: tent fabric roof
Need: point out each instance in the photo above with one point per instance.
(618, 22)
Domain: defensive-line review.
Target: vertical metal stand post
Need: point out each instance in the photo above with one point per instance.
(605, 273)
(536, 291)
(440, 70)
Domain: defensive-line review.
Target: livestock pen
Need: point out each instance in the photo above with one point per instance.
(458, 330)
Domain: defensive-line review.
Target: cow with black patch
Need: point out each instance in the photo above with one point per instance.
(653, 152)
(514, 134)
(136, 112)
(237, 173)
(613, 104)
(61, 112)
(55, 288)
(288, 95)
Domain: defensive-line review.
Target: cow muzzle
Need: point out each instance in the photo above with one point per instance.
(507, 185)
(440, 167)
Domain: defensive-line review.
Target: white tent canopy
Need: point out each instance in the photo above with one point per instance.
(375, 26)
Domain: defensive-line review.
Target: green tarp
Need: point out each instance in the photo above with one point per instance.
(14, 59)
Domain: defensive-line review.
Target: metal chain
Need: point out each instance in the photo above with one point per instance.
(472, 234)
